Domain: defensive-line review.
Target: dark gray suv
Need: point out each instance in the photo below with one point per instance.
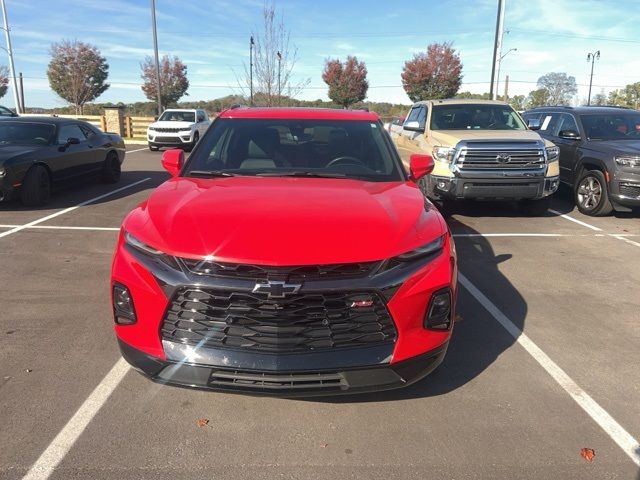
(599, 154)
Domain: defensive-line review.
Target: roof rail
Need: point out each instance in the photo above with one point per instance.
(606, 106)
(235, 105)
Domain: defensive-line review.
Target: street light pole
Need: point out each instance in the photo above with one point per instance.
(497, 48)
(10, 53)
(279, 70)
(500, 65)
(251, 43)
(155, 52)
(592, 57)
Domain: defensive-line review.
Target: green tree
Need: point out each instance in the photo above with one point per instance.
(77, 72)
(173, 80)
(559, 86)
(628, 96)
(538, 98)
(518, 102)
(436, 73)
(347, 81)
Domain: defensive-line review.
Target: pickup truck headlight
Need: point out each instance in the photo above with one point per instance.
(443, 154)
(552, 153)
(628, 161)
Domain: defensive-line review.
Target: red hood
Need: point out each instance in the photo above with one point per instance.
(285, 221)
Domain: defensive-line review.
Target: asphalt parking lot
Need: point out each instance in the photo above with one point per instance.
(543, 362)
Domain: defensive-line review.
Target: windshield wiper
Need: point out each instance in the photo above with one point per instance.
(304, 174)
(211, 173)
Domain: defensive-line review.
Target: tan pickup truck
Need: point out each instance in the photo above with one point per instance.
(482, 150)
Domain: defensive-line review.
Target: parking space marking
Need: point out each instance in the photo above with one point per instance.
(70, 209)
(62, 443)
(64, 227)
(575, 220)
(626, 240)
(617, 433)
(136, 150)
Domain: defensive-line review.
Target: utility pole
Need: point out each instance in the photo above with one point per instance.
(155, 52)
(279, 69)
(251, 43)
(592, 57)
(10, 53)
(506, 89)
(22, 107)
(497, 49)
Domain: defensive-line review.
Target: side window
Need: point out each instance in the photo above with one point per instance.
(88, 132)
(531, 116)
(417, 114)
(70, 131)
(201, 116)
(550, 123)
(568, 123)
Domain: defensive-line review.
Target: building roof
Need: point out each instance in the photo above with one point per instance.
(299, 113)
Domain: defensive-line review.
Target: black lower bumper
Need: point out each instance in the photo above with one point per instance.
(460, 188)
(286, 383)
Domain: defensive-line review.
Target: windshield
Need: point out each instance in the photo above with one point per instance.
(20, 133)
(283, 147)
(170, 116)
(616, 126)
(475, 117)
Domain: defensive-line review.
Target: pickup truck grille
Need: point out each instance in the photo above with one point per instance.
(501, 156)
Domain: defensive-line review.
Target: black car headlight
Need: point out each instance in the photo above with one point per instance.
(423, 251)
(149, 251)
(628, 161)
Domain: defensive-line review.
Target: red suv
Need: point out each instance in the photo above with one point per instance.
(290, 254)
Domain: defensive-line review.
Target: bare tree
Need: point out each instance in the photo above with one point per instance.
(274, 58)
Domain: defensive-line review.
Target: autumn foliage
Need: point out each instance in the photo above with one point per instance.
(173, 79)
(347, 81)
(77, 72)
(436, 73)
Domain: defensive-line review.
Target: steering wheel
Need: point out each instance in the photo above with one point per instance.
(346, 160)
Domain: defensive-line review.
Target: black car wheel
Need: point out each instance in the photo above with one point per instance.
(111, 168)
(196, 137)
(36, 187)
(592, 195)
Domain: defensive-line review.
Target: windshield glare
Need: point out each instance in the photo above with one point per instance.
(170, 116)
(625, 126)
(20, 133)
(475, 117)
(351, 149)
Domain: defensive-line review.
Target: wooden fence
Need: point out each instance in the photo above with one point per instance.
(136, 126)
(95, 120)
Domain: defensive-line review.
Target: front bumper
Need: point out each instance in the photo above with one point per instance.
(288, 382)
(625, 190)
(167, 139)
(495, 188)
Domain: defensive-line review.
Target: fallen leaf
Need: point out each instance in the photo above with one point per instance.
(29, 370)
(587, 454)
(203, 422)
(324, 445)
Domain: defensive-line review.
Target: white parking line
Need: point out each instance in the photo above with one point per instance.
(137, 150)
(64, 227)
(626, 240)
(62, 443)
(579, 222)
(70, 209)
(625, 441)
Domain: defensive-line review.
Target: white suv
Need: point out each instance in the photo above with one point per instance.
(178, 128)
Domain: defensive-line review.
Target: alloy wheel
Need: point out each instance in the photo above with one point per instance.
(589, 192)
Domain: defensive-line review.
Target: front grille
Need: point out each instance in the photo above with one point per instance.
(168, 139)
(288, 381)
(491, 156)
(264, 272)
(630, 190)
(301, 322)
(169, 130)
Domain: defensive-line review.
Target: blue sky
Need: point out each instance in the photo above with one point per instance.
(211, 36)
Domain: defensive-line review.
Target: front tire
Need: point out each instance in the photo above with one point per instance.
(592, 195)
(111, 170)
(36, 187)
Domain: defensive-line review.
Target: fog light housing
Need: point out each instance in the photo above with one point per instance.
(439, 310)
(124, 312)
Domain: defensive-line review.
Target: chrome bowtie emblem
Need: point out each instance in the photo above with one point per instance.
(277, 289)
(502, 158)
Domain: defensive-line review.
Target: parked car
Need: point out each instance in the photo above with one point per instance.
(38, 154)
(178, 128)
(5, 112)
(291, 254)
(482, 151)
(599, 154)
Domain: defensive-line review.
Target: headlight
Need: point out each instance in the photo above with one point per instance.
(150, 251)
(552, 153)
(443, 154)
(3, 172)
(628, 161)
(422, 251)
(151, 129)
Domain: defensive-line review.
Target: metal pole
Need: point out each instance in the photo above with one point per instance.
(497, 49)
(279, 69)
(506, 89)
(251, 71)
(22, 107)
(10, 53)
(155, 52)
(592, 57)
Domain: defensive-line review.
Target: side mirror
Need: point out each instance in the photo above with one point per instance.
(420, 165)
(413, 126)
(73, 141)
(569, 134)
(172, 161)
(534, 124)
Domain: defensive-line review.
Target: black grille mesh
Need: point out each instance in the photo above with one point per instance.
(298, 323)
(629, 190)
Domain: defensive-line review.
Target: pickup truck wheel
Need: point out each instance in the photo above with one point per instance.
(36, 187)
(536, 208)
(111, 168)
(592, 195)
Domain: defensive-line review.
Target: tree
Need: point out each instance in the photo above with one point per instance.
(77, 72)
(518, 102)
(173, 80)
(599, 98)
(560, 87)
(436, 73)
(4, 80)
(628, 96)
(347, 81)
(538, 98)
(273, 61)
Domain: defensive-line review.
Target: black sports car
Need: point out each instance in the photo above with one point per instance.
(38, 154)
